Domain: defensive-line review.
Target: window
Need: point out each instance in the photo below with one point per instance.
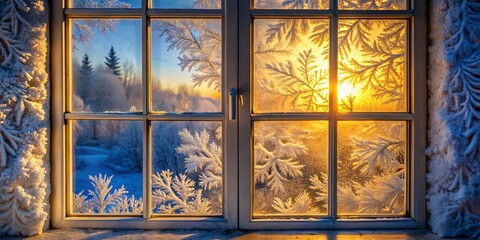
(239, 114)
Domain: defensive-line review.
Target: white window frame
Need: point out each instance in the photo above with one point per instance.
(237, 18)
(415, 118)
(61, 152)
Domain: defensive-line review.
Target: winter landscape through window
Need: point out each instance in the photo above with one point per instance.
(329, 111)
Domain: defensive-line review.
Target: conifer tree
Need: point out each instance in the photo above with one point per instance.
(86, 72)
(113, 62)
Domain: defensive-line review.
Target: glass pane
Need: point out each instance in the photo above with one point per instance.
(372, 66)
(186, 65)
(291, 4)
(372, 4)
(291, 66)
(187, 173)
(371, 168)
(105, 3)
(107, 167)
(182, 4)
(106, 65)
(291, 168)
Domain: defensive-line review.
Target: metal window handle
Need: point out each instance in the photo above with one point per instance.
(232, 111)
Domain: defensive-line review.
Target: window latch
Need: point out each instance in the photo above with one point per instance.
(232, 111)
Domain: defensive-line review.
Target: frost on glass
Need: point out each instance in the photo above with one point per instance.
(187, 4)
(291, 4)
(372, 65)
(371, 168)
(291, 67)
(290, 168)
(372, 4)
(107, 167)
(105, 3)
(187, 168)
(106, 65)
(186, 65)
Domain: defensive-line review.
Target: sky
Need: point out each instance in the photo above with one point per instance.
(127, 42)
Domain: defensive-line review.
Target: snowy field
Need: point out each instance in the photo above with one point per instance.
(92, 159)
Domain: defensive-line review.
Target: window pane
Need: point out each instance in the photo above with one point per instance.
(291, 66)
(106, 65)
(182, 4)
(371, 168)
(372, 65)
(291, 4)
(187, 173)
(372, 4)
(291, 168)
(107, 154)
(105, 4)
(186, 65)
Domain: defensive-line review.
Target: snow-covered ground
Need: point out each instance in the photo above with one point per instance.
(91, 161)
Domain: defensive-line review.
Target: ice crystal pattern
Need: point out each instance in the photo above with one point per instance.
(454, 137)
(203, 157)
(276, 151)
(102, 199)
(24, 166)
(178, 195)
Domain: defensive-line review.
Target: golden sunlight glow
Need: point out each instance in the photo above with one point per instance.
(345, 90)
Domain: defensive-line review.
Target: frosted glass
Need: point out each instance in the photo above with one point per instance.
(291, 65)
(290, 168)
(372, 69)
(105, 4)
(185, 4)
(371, 168)
(187, 175)
(291, 4)
(372, 4)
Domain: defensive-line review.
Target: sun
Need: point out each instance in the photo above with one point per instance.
(345, 90)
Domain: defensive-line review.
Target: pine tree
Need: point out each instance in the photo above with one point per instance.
(86, 72)
(113, 62)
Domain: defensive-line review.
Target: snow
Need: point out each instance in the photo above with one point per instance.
(454, 167)
(91, 160)
(24, 163)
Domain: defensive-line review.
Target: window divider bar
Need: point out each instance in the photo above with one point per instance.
(103, 116)
(103, 12)
(402, 14)
(332, 132)
(375, 116)
(292, 13)
(293, 116)
(147, 161)
(279, 13)
(185, 13)
(186, 117)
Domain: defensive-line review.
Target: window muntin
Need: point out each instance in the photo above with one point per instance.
(363, 96)
(346, 116)
(135, 145)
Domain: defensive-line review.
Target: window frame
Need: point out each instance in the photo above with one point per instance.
(415, 117)
(62, 115)
(237, 19)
